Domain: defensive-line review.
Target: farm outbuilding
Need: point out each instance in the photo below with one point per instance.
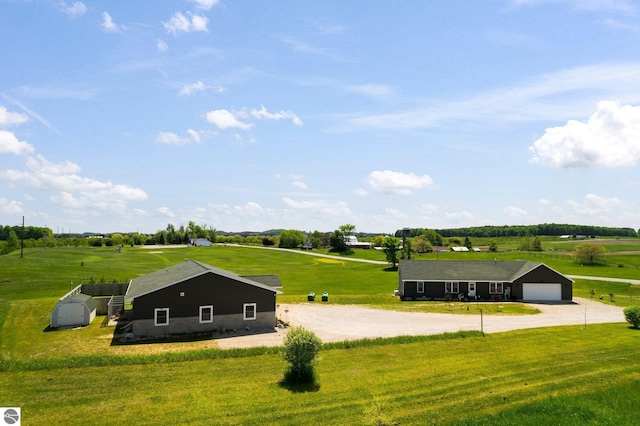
(192, 297)
(73, 310)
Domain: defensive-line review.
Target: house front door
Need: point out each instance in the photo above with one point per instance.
(472, 289)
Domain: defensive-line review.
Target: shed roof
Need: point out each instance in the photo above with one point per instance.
(181, 272)
(451, 270)
(80, 298)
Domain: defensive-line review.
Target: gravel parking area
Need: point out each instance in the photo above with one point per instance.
(333, 323)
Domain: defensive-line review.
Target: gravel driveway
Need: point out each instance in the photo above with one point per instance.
(332, 323)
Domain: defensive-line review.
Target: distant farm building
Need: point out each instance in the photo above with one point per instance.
(352, 241)
(200, 242)
(460, 249)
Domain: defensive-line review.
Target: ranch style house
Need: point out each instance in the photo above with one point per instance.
(192, 297)
(481, 280)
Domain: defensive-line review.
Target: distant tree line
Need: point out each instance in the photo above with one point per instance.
(552, 229)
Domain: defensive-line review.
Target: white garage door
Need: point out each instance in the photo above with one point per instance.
(70, 314)
(538, 291)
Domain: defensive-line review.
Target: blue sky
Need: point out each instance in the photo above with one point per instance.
(252, 115)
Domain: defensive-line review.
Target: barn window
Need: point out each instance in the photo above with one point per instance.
(495, 288)
(249, 311)
(452, 287)
(161, 316)
(206, 314)
(420, 287)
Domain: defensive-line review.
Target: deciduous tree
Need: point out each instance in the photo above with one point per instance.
(301, 347)
(391, 246)
(589, 254)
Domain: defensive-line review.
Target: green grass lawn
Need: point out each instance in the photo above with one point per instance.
(560, 375)
(575, 377)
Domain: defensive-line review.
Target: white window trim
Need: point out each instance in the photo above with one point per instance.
(155, 317)
(420, 287)
(202, 308)
(498, 287)
(454, 287)
(244, 311)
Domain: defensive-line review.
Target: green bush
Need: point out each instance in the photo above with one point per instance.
(301, 348)
(632, 315)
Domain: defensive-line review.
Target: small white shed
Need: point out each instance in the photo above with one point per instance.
(74, 310)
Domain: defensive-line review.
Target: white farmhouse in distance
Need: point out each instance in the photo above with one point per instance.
(352, 241)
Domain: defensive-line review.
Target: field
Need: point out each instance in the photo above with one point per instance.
(577, 376)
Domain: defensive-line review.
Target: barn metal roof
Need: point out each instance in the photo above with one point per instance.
(182, 271)
(80, 298)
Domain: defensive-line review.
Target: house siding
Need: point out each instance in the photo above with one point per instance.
(228, 297)
(542, 275)
(183, 325)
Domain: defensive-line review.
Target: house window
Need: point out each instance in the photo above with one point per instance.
(160, 316)
(452, 287)
(420, 287)
(206, 314)
(495, 288)
(249, 311)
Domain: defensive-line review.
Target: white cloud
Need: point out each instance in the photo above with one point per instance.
(162, 45)
(9, 144)
(8, 118)
(609, 138)
(320, 207)
(593, 205)
(74, 190)
(428, 208)
(205, 4)
(189, 89)
(109, 25)
(224, 119)
(544, 201)
(194, 135)
(170, 138)
(397, 183)
(263, 113)
(514, 212)
(371, 90)
(166, 211)
(361, 192)
(463, 217)
(10, 207)
(76, 10)
(552, 96)
(181, 23)
(300, 184)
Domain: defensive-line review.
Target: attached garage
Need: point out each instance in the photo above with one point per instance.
(74, 310)
(542, 291)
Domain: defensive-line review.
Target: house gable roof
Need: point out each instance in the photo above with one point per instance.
(451, 270)
(181, 272)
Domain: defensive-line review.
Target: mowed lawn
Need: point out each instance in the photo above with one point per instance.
(559, 375)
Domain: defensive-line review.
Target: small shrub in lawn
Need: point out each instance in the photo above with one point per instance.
(632, 315)
(301, 348)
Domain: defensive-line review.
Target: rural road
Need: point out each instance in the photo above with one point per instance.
(333, 323)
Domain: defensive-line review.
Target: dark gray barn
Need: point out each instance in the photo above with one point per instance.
(192, 297)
